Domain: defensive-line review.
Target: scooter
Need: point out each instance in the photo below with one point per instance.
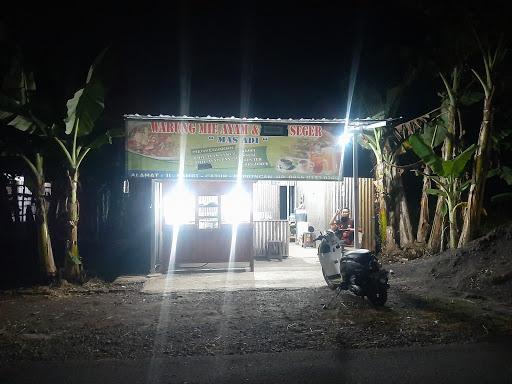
(357, 270)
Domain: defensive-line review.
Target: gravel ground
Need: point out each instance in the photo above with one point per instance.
(457, 296)
(103, 321)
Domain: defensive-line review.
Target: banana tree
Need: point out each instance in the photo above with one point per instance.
(434, 132)
(35, 181)
(383, 181)
(447, 129)
(431, 133)
(74, 138)
(491, 60)
(15, 112)
(446, 174)
(83, 110)
(448, 120)
(395, 227)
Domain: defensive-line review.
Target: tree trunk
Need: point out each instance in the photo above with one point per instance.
(387, 235)
(437, 231)
(399, 221)
(73, 264)
(406, 236)
(452, 218)
(423, 225)
(434, 242)
(480, 168)
(44, 244)
(442, 239)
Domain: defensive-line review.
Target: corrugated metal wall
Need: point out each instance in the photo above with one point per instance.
(270, 230)
(340, 194)
(367, 212)
(265, 197)
(321, 200)
(313, 194)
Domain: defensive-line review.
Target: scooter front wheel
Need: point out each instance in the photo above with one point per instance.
(378, 295)
(330, 284)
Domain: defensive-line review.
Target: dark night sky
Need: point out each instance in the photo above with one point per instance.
(265, 60)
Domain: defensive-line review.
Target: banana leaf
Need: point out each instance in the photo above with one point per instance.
(455, 167)
(87, 104)
(85, 108)
(444, 168)
(436, 192)
(425, 153)
(434, 133)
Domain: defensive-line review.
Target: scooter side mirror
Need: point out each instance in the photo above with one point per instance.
(311, 229)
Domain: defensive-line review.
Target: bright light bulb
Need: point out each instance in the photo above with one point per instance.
(236, 206)
(344, 139)
(178, 206)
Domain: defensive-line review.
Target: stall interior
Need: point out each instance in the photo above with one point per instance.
(301, 204)
(203, 222)
(194, 221)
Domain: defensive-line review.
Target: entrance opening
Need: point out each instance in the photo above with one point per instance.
(286, 201)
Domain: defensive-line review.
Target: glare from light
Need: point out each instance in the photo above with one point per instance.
(344, 139)
(236, 206)
(171, 204)
(178, 206)
(350, 94)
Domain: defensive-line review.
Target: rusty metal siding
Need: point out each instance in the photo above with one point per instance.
(367, 212)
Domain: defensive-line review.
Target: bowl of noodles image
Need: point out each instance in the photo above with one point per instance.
(154, 145)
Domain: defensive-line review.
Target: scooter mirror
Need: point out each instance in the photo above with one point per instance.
(311, 229)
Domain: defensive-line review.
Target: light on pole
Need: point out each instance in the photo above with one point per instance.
(355, 186)
(355, 131)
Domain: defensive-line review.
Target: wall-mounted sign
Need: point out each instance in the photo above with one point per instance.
(216, 150)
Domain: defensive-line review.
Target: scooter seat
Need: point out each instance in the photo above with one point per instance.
(361, 256)
(357, 251)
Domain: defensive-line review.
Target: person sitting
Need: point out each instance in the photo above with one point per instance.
(343, 225)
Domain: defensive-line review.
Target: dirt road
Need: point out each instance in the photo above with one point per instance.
(108, 322)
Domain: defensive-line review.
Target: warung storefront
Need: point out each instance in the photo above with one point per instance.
(224, 189)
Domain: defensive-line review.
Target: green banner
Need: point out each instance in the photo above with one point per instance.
(212, 150)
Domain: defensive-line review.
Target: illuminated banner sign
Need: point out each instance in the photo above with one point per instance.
(212, 149)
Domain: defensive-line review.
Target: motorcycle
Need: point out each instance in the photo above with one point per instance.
(357, 271)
